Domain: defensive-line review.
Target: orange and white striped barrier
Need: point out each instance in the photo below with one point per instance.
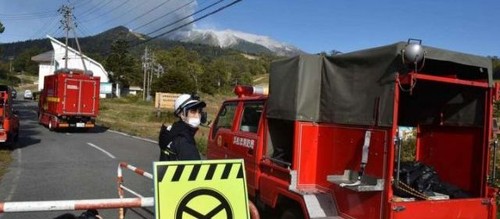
(74, 205)
(122, 188)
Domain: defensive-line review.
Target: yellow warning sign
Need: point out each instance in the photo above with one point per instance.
(200, 189)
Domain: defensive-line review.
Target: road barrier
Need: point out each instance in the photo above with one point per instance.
(122, 188)
(72, 205)
(76, 205)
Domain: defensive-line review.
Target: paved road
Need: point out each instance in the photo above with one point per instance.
(73, 165)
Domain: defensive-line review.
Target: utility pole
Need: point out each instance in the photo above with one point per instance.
(150, 68)
(68, 25)
(145, 66)
(10, 63)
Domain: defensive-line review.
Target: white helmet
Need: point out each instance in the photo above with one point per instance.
(187, 101)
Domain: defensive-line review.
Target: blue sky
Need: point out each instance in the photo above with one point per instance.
(313, 26)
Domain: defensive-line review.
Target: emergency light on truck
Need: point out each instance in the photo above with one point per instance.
(243, 90)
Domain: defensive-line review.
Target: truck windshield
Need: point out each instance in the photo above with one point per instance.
(251, 116)
(225, 117)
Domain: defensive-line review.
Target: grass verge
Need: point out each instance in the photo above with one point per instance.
(5, 160)
(134, 116)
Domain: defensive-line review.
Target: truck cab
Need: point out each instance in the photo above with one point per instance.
(377, 133)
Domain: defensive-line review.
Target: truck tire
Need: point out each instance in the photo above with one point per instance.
(292, 213)
(16, 137)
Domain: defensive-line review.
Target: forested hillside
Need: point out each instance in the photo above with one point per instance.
(185, 66)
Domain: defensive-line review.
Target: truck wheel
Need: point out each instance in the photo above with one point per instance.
(292, 213)
(16, 137)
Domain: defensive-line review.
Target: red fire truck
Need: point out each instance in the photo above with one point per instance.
(327, 142)
(69, 99)
(9, 121)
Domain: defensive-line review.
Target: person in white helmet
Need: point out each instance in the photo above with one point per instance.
(177, 141)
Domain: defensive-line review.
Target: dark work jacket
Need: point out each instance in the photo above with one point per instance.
(183, 146)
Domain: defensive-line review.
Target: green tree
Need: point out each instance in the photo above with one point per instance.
(216, 77)
(496, 67)
(23, 62)
(122, 65)
(182, 71)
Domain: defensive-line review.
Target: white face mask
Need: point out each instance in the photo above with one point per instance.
(194, 122)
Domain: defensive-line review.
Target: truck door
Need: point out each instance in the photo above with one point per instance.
(245, 140)
(79, 96)
(71, 96)
(221, 134)
(88, 97)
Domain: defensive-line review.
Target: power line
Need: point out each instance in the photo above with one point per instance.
(95, 8)
(44, 27)
(186, 17)
(147, 12)
(29, 16)
(85, 31)
(195, 20)
(169, 13)
(124, 13)
(108, 12)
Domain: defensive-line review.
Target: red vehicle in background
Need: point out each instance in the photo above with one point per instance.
(69, 99)
(327, 142)
(9, 121)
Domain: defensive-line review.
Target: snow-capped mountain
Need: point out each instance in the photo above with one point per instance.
(241, 41)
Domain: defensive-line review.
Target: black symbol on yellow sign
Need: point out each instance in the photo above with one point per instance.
(223, 208)
(209, 189)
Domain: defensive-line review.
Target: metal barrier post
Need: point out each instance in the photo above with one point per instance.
(121, 187)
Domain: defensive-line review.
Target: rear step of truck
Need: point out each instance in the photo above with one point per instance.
(321, 205)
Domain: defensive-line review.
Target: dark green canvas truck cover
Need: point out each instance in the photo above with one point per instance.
(357, 87)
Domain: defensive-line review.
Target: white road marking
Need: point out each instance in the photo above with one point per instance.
(125, 134)
(102, 150)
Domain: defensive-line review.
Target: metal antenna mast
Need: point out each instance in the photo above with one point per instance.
(69, 25)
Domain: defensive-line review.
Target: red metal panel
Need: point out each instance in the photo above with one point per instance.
(463, 208)
(305, 150)
(455, 153)
(329, 150)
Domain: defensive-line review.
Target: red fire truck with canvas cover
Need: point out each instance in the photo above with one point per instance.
(69, 99)
(327, 141)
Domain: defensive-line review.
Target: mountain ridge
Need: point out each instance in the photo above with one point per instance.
(209, 44)
(241, 41)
